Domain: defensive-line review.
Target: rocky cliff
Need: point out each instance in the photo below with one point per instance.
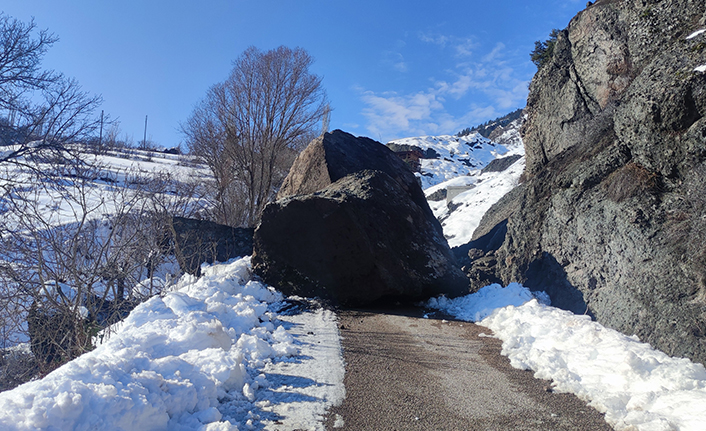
(611, 217)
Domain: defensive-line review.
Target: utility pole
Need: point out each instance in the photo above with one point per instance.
(326, 119)
(100, 136)
(144, 139)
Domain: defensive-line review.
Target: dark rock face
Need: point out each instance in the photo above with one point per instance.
(439, 195)
(501, 164)
(609, 220)
(356, 241)
(200, 241)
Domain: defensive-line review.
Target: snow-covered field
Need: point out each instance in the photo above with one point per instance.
(98, 182)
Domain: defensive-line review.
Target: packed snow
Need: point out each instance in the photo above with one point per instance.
(211, 354)
(696, 33)
(701, 68)
(636, 386)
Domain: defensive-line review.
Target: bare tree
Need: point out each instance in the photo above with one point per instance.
(41, 111)
(76, 256)
(249, 128)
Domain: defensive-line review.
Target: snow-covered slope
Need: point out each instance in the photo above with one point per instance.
(460, 164)
(456, 156)
(461, 215)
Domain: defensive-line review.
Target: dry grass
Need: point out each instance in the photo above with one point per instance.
(631, 180)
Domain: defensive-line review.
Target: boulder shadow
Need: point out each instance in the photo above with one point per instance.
(546, 274)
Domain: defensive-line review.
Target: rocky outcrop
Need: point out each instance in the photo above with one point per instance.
(509, 134)
(200, 241)
(501, 163)
(610, 217)
(351, 225)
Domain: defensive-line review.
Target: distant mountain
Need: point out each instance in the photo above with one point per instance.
(463, 176)
(486, 129)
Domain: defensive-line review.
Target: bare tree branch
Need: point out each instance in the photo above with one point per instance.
(41, 111)
(249, 128)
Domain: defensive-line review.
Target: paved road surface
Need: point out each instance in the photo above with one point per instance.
(404, 372)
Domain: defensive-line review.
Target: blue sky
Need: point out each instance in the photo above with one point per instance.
(391, 69)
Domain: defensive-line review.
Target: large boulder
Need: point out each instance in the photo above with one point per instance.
(335, 155)
(356, 241)
(201, 241)
(609, 219)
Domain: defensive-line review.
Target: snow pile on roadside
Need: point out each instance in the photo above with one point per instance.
(637, 387)
(193, 359)
(477, 306)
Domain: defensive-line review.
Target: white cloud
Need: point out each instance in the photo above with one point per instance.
(434, 39)
(491, 81)
(391, 112)
(495, 53)
(464, 47)
(395, 61)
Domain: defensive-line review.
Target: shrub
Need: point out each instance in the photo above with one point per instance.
(629, 181)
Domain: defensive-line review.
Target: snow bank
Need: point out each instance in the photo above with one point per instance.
(479, 305)
(637, 387)
(167, 365)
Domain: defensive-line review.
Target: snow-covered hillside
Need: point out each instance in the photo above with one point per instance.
(454, 156)
(85, 218)
(460, 164)
(461, 215)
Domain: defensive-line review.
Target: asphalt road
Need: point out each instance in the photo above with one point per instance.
(405, 372)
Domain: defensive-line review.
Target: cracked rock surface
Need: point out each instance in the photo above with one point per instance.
(611, 217)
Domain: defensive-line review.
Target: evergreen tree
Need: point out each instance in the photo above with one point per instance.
(543, 51)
